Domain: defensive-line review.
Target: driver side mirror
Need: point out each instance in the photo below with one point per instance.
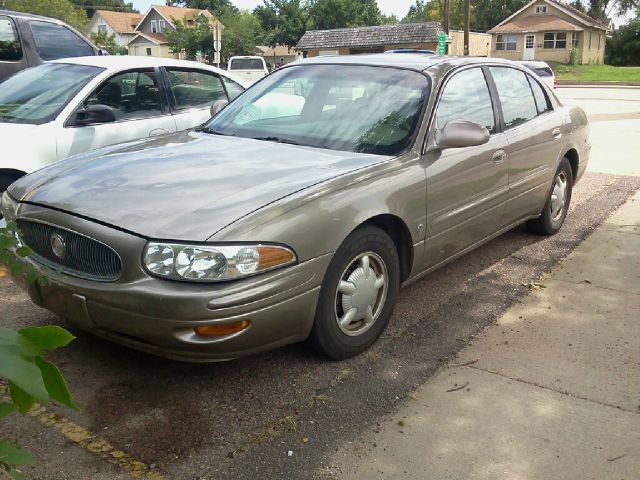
(95, 114)
(461, 133)
(218, 106)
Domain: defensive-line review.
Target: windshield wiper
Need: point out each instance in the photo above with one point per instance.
(278, 140)
(205, 129)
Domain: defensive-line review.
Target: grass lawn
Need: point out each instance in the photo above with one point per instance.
(596, 73)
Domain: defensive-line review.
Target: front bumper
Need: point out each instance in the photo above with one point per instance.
(158, 316)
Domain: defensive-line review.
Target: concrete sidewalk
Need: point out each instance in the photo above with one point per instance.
(550, 392)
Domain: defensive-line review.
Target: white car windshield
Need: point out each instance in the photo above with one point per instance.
(339, 107)
(37, 95)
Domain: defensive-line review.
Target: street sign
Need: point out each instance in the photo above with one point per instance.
(199, 55)
(442, 42)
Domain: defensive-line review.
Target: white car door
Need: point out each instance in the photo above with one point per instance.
(193, 92)
(136, 98)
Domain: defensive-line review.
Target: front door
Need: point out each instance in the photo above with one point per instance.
(529, 47)
(466, 187)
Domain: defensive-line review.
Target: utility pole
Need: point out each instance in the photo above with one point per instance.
(445, 15)
(467, 19)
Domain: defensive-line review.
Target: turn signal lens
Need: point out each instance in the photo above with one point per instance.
(272, 257)
(222, 329)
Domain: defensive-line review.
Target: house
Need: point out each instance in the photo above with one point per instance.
(381, 38)
(549, 30)
(280, 55)
(120, 24)
(150, 33)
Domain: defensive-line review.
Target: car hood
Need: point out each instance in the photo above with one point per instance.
(183, 186)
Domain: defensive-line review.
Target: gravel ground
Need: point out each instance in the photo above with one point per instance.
(281, 414)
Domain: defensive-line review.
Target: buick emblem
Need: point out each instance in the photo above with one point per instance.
(58, 246)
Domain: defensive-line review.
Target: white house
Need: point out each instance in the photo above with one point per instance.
(120, 24)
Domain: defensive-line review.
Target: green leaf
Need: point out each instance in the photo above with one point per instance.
(14, 455)
(22, 400)
(23, 251)
(23, 373)
(49, 337)
(16, 474)
(56, 386)
(7, 409)
(10, 337)
(7, 241)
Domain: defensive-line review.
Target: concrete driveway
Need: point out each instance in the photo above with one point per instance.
(284, 414)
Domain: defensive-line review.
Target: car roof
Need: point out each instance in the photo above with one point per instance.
(535, 63)
(412, 61)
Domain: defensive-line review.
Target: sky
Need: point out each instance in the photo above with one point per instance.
(388, 7)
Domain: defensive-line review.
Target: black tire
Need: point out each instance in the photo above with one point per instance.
(327, 336)
(550, 222)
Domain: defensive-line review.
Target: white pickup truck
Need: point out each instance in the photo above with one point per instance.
(250, 69)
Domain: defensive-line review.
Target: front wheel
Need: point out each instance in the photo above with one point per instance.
(358, 294)
(555, 209)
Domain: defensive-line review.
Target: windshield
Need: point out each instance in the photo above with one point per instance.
(246, 64)
(338, 107)
(37, 95)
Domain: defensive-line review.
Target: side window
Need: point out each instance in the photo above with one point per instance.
(542, 102)
(466, 97)
(518, 105)
(10, 49)
(56, 41)
(194, 88)
(233, 89)
(131, 95)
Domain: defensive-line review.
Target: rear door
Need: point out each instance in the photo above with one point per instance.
(533, 130)
(12, 57)
(466, 187)
(191, 93)
(137, 99)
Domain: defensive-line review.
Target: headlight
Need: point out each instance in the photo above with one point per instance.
(210, 263)
(8, 207)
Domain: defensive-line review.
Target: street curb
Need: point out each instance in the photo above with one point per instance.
(574, 84)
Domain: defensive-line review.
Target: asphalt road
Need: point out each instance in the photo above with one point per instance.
(280, 415)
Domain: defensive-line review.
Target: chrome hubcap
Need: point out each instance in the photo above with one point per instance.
(361, 294)
(558, 196)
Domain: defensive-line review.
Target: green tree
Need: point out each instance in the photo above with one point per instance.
(389, 19)
(283, 22)
(327, 14)
(486, 14)
(90, 6)
(191, 39)
(623, 47)
(433, 11)
(241, 34)
(220, 8)
(60, 9)
(107, 42)
(605, 9)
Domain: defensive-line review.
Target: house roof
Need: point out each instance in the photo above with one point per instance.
(371, 36)
(580, 17)
(180, 13)
(279, 51)
(157, 38)
(535, 24)
(120, 22)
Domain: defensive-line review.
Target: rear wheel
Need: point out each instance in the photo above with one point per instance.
(555, 209)
(357, 295)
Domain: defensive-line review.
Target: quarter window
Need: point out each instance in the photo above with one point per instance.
(195, 89)
(55, 41)
(542, 102)
(466, 97)
(131, 95)
(505, 42)
(516, 98)
(10, 49)
(555, 40)
(233, 89)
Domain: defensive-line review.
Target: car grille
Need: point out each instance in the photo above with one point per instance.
(79, 256)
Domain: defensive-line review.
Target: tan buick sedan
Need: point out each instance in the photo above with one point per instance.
(300, 209)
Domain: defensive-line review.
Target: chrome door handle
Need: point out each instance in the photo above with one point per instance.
(158, 131)
(557, 134)
(499, 156)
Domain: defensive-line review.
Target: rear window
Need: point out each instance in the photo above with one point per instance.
(10, 50)
(246, 64)
(541, 71)
(56, 41)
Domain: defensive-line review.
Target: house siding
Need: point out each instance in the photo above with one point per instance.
(139, 48)
(93, 27)
(145, 26)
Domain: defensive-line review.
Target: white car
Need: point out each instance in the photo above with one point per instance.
(248, 68)
(68, 106)
(543, 70)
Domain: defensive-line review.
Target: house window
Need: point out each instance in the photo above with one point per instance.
(555, 40)
(161, 26)
(154, 26)
(541, 9)
(505, 42)
(148, 51)
(102, 29)
(574, 39)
